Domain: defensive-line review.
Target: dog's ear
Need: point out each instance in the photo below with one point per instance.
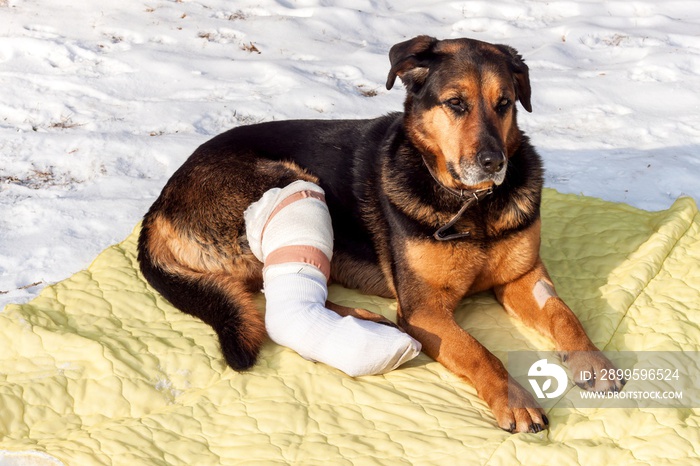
(409, 61)
(521, 76)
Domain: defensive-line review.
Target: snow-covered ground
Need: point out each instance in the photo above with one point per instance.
(100, 101)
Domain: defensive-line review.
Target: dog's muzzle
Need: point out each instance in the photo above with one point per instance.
(489, 167)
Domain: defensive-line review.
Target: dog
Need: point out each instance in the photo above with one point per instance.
(428, 206)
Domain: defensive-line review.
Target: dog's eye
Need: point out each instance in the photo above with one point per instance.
(503, 105)
(456, 104)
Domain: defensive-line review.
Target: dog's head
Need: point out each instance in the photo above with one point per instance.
(460, 106)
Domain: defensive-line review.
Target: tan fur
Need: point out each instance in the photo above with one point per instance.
(511, 216)
(178, 253)
(510, 259)
(170, 248)
(442, 265)
(473, 269)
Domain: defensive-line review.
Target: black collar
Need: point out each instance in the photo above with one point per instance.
(470, 197)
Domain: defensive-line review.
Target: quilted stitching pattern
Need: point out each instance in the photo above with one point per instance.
(99, 369)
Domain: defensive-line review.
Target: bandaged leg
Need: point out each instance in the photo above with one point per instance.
(290, 231)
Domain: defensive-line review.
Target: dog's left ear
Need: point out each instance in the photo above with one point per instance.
(521, 76)
(409, 61)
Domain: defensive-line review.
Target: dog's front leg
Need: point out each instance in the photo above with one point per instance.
(426, 313)
(533, 299)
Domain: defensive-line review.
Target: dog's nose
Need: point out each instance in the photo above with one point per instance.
(491, 161)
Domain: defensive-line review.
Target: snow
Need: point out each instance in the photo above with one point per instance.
(102, 101)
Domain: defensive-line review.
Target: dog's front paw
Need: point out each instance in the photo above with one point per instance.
(518, 411)
(592, 371)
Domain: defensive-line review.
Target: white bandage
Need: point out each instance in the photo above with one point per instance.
(290, 231)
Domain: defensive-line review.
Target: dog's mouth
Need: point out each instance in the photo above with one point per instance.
(467, 180)
(479, 187)
(472, 178)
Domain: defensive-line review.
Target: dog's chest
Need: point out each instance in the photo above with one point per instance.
(473, 266)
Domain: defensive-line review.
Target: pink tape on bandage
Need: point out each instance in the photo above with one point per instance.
(305, 254)
(297, 196)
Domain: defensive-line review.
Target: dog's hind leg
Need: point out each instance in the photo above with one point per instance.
(290, 231)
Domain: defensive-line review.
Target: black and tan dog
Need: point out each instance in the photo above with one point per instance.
(428, 206)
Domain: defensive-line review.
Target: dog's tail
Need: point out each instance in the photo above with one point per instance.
(218, 298)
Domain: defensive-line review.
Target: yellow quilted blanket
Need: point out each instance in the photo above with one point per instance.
(99, 369)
